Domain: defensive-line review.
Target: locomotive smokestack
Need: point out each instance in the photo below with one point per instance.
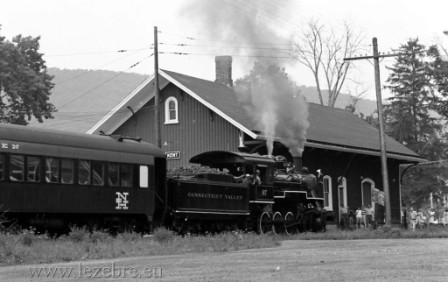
(224, 70)
(297, 163)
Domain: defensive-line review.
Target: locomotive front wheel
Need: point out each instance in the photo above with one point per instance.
(277, 221)
(289, 224)
(264, 223)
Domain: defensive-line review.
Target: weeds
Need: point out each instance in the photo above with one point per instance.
(80, 244)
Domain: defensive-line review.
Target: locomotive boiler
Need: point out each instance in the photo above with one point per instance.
(225, 194)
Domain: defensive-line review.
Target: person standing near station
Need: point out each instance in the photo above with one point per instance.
(359, 219)
(412, 218)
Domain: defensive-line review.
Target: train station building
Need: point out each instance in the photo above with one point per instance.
(198, 115)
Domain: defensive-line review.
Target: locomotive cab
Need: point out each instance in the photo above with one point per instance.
(243, 190)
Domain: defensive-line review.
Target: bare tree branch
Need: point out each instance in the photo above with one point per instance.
(323, 52)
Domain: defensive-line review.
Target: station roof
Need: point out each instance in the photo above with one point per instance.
(330, 128)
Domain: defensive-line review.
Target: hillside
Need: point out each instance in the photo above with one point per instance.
(83, 97)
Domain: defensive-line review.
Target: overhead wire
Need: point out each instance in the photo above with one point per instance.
(98, 52)
(102, 66)
(191, 38)
(104, 82)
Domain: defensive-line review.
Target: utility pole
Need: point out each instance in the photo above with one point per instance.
(156, 91)
(376, 56)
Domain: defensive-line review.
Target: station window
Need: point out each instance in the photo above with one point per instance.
(171, 111)
(2, 167)
(328, 191)
(33, 169)
(17, 168)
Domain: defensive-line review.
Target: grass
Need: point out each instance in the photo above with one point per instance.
(383, 232)
(27, 248)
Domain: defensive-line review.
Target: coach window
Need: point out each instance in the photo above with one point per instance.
(98, 173)
(84, 172)
(144, 173)
(113, 175)
(2, 167)
(126, 175)
(52, 170)
(33, 169)
(171, 111)
(68, 171)
(17, 168)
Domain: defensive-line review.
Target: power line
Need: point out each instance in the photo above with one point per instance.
(234, 55)
(99, 52)
(224, 41)
(225, 46)
(104, 82)
(97, 68)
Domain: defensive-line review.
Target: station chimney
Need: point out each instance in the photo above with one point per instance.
(224, 70)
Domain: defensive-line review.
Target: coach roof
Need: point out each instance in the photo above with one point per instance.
(18, 133)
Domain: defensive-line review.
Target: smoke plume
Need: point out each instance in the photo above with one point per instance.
(276, 106)
(254, 31)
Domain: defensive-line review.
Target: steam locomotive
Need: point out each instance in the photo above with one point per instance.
(52, 180)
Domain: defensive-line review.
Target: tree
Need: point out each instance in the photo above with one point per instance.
(322, 52)
(24, 82)
(407, 115)
(418, 181)
(438, 68)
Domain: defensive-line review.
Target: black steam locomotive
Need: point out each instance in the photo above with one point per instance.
(244, 191)
(51, 180)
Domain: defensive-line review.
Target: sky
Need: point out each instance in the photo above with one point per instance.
(87, 34)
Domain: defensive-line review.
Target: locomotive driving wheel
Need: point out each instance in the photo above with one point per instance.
(264, 223)
(289, 224)
(277, 221)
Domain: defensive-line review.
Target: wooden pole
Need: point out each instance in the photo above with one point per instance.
(382, 135)
(156, 91)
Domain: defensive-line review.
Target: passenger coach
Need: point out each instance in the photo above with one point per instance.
(51, 179)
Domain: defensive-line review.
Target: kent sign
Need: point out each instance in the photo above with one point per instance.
(173, 155)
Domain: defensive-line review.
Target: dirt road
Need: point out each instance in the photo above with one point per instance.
(357, 260)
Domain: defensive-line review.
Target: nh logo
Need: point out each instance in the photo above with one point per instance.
(122, 201)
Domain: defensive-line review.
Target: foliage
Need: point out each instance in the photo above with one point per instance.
(408, 117)
(439, 75)
(163, 235)
(420, 180)
(24, 82)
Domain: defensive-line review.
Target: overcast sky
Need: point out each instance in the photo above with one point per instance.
(86, 34)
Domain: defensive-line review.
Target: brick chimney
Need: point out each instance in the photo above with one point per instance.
(224, 70)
